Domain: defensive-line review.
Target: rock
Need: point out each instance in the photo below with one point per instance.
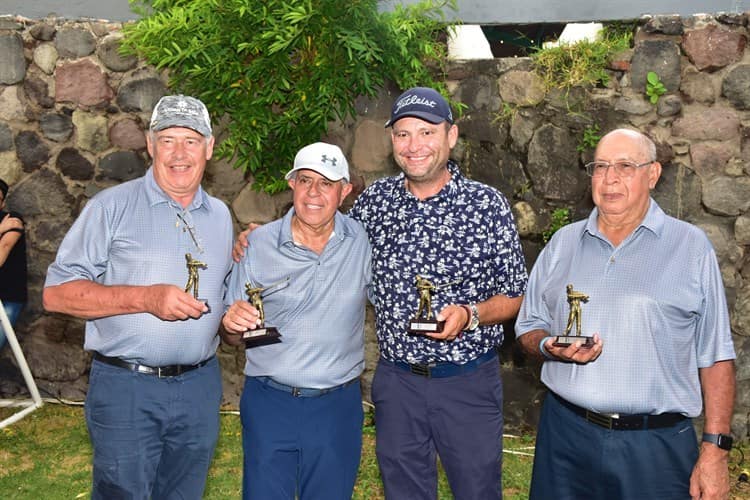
(82, 82)
(43, 31)
(121, 166)
(669, 105)
(110, 56)
(127, 134)
(724, 195)
(91, 131)
(736, 86)
(717, 124)
(56, 127)
(45, 57)
(72, 43)
(713, 48)
(660, 56)
(742, 229)
(43, 193)
(668, 25)
(141, 94)
(522, 88)
(12, 61)
(553, 165)
(74, 166)
(710, 158)
(37, 90)
(6, 137)
(698, 86)
(254, 206)
(372, 147)
(526, 219)
(31, 150)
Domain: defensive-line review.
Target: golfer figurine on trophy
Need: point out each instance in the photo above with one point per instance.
(192, 282)
(574, 319)
(264, 334)
(423, 322)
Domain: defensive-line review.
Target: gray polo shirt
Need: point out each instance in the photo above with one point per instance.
(320, 313)
(134, 234)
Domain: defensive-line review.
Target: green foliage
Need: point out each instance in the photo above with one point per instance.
(654, 87)
(590, 138)
(583, 63)
(282, 70)
(506, 115)
(560, 218)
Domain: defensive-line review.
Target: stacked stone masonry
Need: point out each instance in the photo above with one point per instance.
(73, 111)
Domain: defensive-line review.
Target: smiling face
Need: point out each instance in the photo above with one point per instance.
(422, 149)
(625, 199)
(179, 160)
(317, 198)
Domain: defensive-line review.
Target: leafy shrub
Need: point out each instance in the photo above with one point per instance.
(282, 70)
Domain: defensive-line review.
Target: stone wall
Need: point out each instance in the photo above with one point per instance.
(72, 112)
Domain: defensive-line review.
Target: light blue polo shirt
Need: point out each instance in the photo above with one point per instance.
(135, 234)
(320, 312)
(658, 302)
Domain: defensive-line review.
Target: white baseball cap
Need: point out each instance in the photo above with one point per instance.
(326, 159)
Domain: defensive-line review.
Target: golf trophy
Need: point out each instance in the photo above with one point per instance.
(263, 334)
(423, 322)
(574, 317)
(192, 282)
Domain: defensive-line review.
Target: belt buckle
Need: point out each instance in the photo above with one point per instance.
(167, 371)
(600, 419)
(422, 370)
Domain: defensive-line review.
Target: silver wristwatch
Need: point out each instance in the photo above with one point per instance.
(474, 321)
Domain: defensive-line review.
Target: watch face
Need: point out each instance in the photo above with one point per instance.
(725, 442)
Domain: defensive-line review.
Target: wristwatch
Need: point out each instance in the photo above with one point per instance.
(723, 441)
(474, 320)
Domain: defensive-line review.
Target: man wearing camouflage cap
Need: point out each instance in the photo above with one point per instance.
(155, 383)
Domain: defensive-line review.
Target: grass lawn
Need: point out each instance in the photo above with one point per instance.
(47, 455)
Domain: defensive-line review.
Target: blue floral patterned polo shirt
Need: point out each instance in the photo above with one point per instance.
(464, 234)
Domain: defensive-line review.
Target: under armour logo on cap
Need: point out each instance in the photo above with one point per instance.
(324, 159)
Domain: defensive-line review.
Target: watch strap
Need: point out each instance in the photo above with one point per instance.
(723, 441)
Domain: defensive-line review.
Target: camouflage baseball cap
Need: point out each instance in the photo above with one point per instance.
(181, 111)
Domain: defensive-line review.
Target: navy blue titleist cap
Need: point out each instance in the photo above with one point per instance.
(421, 102)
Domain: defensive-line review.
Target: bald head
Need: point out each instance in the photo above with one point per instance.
(640, 142)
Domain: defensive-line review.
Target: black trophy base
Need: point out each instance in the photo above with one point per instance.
(207, 305)
(261, 336)
(419, 326)
(566, 340)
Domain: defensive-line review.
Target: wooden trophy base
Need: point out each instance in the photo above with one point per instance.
(261, 336)
(420, 326)
(566, 340)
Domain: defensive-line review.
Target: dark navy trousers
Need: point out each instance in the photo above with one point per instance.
(578, 460)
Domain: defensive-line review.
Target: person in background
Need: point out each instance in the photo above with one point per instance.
(301, 406)
(152, 407)
(616, 422)
(13, 292)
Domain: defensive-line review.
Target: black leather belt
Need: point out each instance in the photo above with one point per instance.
(159, 371)
(444, 369)
(623, 422)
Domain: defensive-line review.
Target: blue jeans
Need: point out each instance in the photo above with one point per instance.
(304, 446)
(152, 437)
(12, 310)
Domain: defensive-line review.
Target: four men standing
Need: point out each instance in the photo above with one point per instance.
(655, 292)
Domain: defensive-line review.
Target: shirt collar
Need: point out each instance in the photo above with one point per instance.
(340, 229)
(156, 195)
(653, 221)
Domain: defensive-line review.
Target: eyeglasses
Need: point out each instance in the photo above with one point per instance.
(621, 168)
